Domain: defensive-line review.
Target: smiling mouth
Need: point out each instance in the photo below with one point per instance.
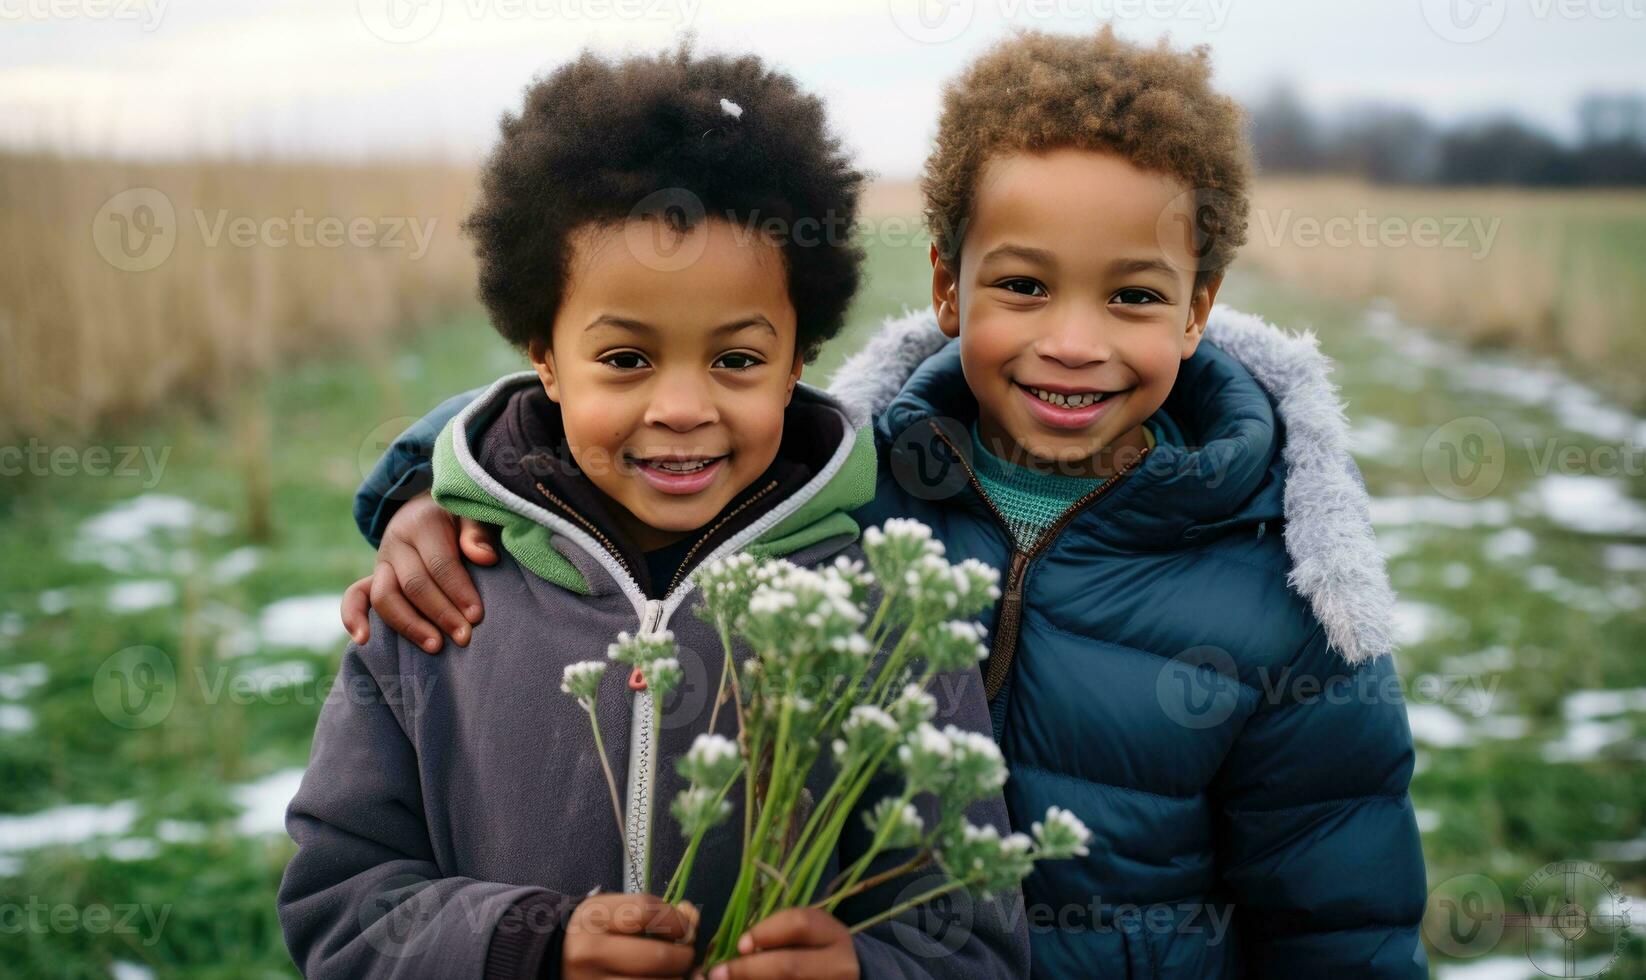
(1083, 399)
(677, 464)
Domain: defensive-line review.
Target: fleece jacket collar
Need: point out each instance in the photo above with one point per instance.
(568, 551)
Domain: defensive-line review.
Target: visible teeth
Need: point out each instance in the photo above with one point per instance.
(1068, 401)
(681, 465)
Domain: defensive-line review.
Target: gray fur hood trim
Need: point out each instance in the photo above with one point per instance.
(1336, 563)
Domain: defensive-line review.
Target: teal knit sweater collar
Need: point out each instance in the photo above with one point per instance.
(1033, 498)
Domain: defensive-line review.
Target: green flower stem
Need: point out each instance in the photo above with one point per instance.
(900, 908)
(611, 781)
(725, 672)
(881, 835)
(676, 889)
(817, 859)
(737, 910)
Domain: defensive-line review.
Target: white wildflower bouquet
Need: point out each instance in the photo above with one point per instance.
(827, 672)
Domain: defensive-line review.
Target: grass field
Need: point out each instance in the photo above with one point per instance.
(166, 635)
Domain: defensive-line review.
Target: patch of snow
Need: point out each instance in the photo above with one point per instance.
(138, 534)
(1589, 705)
(265, 801)
(16, 682)
(59, 825)
(1434, 725)
(1509, 543)
(1491, 968)
(237, 564)
(283, 674)
(1378, 439)
(1588, 504)
(1397, 511)
(131, 597)
(1624, 558)
(311, 622)
(1584, 740)
(1417, 622)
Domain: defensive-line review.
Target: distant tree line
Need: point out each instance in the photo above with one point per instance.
(1397, 144)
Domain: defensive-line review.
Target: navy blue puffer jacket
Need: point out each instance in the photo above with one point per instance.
(1246, 783)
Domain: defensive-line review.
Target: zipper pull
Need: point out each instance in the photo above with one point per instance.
(648, 625)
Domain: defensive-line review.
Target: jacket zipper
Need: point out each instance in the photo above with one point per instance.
(642, 763)
(588, 526)
(1003, 648)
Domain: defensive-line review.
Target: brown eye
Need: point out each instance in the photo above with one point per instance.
(1134, 296)
(624, 360)
(1022, 286)
(738, 361)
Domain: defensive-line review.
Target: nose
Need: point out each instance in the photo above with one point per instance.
(681, 401)
(1077, 339)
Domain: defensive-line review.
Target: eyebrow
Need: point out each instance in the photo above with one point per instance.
(1025, 252)
(1126, 266)
(640, 326)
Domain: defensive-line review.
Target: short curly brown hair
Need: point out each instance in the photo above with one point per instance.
(1154, 106)
(600, 141)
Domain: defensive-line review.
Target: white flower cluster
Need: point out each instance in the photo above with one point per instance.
(958, 765)
(900, 822)
(698, 809)
(867, 730)
(806, 620)
(711, 761)
(895, 546)
(989, 862)
(951, 645)
(582, 681)
(912, 708)
(1060, 835)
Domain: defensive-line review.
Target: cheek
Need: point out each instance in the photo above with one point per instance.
(1157, 360)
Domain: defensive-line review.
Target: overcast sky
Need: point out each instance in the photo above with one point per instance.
(364, 77)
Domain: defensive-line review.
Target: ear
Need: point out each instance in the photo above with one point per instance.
(794, 375)
(1200, 310)
(543, 362)
(945, 295)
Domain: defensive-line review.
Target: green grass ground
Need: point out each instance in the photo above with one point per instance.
(156, 798)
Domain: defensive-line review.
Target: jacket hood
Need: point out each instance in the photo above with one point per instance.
(488, 453)
(1267, 440)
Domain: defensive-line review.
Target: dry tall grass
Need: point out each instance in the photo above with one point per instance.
(264, 265)
(1561, 274)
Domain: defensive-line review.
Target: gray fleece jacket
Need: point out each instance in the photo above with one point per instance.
(454, 812)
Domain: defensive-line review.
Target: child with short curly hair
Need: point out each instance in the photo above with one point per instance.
(1192, 651)
(453, 820)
